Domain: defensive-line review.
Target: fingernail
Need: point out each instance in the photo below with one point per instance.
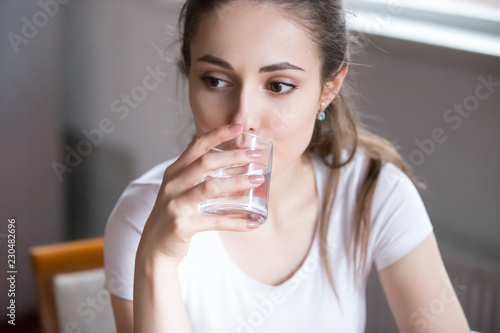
(256, 179)
(254, 154)
(252, 225)
(235, 128)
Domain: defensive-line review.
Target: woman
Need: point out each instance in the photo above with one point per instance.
(340, 197)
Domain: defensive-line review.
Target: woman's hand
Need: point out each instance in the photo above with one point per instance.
(174, 218)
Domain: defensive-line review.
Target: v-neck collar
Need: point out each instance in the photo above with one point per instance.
(253, 283)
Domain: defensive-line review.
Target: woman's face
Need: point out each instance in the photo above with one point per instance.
(252, 65)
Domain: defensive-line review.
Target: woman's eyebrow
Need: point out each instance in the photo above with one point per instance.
(282, 66)
(271, 68)
(216, 61)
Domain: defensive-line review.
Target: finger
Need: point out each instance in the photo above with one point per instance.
(218, 187)
(234, 162)
(202, 144)
(224, 223)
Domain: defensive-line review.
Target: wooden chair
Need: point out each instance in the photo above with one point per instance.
(49, 260)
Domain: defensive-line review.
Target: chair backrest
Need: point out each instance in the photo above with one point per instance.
(51, 262)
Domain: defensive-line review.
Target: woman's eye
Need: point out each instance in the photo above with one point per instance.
(281, 87)
(214, 82)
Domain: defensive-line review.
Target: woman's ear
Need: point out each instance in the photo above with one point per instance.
(332, 87)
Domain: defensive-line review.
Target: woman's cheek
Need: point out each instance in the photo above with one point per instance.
(292, 119)
(292, 131)
(208, 114)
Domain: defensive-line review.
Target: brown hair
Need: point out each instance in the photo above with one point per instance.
(326, 23)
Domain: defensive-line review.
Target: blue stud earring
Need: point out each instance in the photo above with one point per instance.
(321, 114)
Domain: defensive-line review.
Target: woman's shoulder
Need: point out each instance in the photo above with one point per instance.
(154, 176)
(353, 173)
(390, 174)
(138, 198)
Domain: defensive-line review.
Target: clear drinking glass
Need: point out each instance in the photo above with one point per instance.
(250, 204)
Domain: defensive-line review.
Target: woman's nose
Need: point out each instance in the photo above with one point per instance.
(246, 111)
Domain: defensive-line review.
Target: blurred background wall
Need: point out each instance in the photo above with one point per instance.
(71, 139)
(31, 138)
(423, 98)
(67, 84)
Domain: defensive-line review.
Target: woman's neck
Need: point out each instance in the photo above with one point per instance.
(288, 189)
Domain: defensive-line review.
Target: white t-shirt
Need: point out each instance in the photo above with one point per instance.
(219, 297)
